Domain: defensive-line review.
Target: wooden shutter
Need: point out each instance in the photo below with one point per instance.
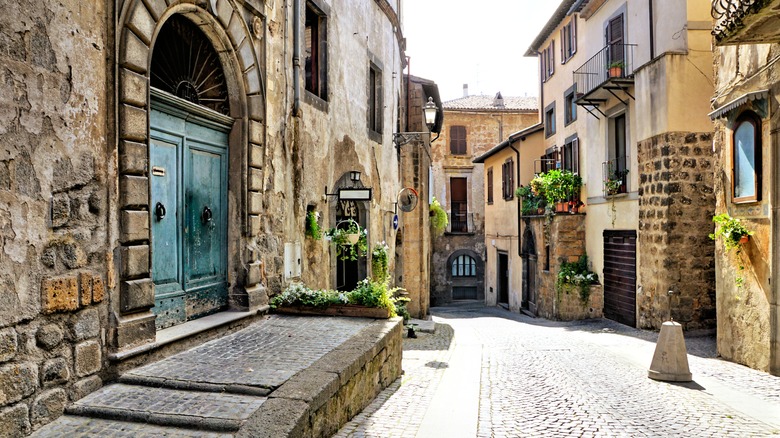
(457, 140)
(573, 48)
(575, 155)
(615, 39)
(490, 186)
(552, 57)
(563, 44)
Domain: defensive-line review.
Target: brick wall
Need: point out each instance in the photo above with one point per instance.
(676, 204)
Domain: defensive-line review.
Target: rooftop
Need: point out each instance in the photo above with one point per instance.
(492, 103)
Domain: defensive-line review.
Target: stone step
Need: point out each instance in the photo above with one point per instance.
(74, 426)
(168, 407)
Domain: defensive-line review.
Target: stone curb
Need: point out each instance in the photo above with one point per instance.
(187, 385)
(288, 410)
(172, 420)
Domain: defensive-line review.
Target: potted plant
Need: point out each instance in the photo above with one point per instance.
(576, 274)
(313, 229)
(350, 241)
(616, 182)
(616, 69)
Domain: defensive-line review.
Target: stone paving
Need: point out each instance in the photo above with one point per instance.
(586, 379)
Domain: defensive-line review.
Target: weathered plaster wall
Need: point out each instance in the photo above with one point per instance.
(53, 234)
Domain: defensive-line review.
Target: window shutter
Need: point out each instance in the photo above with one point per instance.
(563, 44)
(575, 155)
(503, 180)
(552, 57)
(573, 45)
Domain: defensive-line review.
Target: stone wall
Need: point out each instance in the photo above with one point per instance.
(676, 205)
(54, 265)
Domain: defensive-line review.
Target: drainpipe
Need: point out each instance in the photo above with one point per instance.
(519, 202)
(296, 57)
(652, 30)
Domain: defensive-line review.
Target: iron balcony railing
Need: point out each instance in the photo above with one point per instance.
(615, 61)
(460, 222)
(728, 14)
(615, 175)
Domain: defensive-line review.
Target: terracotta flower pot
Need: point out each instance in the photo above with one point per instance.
(744, 239)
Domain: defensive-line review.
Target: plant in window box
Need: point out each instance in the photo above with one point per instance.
(350, 241)
(313, 229)
(733, 233)
(531, 203)
(616, 69)
(559, 187)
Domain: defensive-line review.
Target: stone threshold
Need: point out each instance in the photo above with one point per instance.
(186, 330)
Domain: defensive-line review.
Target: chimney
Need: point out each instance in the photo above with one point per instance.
(498, 101)
(465, 90)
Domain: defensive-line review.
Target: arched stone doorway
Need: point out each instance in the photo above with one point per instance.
(230, 130)
(465, 274)
(529, 257)
(349, 272)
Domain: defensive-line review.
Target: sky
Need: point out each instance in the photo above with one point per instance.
(482, 43)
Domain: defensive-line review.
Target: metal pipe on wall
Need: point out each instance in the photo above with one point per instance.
(296, 57)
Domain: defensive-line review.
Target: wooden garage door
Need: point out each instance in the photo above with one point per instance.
(620, 276)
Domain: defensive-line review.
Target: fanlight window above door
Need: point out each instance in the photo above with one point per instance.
(185, 64)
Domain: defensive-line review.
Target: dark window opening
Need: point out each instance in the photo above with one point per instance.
(374, 99)
(490, 186)
(459, 205)
(315, 52)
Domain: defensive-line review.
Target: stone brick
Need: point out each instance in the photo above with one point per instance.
(256, 156)
(255, 202)
(256, 132)
(48, 406)
(246, 55)
(135, 330)
(134, 53)
(156, 7)
(72, 254)
(85, 288)
(133, 157)
(236, 30)
(55, 371)
(15, 421)
(255, 105)
(134, 261)
(17, 381)
(49, 336)
(136, 295)
(98, 289)
(254, 273)
(224, 10)
(133, 88)
(252, 83)
(85, 325)
(133, 191)
(256, 180)
(59, 294)
(134, 226)
(8, 344)
(85, 386)
(60, 209)
(87, 358)
(254, 225)
(141, 22)
(132, 123)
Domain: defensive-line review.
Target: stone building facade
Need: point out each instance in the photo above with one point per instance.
(746, 117)
(472, 126)
(138, 194)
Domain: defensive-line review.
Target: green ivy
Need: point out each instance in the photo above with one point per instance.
(439, 219)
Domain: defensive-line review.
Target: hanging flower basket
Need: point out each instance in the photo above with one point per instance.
(352, 238)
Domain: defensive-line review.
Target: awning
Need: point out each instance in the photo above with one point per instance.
(738, 102)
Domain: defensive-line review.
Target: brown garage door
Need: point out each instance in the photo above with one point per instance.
(620, 276)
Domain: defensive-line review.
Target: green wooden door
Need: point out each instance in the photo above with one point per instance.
(188, 161)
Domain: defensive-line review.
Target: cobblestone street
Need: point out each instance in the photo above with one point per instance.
(487, 372)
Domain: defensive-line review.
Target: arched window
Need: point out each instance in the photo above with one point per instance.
(747, 158)
(464, 266)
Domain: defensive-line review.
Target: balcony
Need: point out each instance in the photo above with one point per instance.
(460, 222)
(609, 73)
(615, 176)
(746, 21)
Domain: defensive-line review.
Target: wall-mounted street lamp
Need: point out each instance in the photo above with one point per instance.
(353, 193)
(354, 176)
(429, 110)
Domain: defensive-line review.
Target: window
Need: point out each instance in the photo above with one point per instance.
(490, 185)
(458, 140)
(508, 179)
(464, 266)
(551, 159)
(570, 156)
(315, 51)
(747, 158)
(548, 61)
(569, 107)
(617, 166)
(614, 34)
(374, 99)
(569, 40)
(459, 205)
(549, 120)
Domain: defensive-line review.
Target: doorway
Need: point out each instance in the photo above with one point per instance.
(528, 301)
(503, 278)
(620, 276)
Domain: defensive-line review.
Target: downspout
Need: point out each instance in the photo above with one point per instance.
(408, 90)
(519, 202)
(652, 30)
(296, 57)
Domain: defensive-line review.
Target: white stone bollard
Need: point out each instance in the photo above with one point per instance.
(670, 361)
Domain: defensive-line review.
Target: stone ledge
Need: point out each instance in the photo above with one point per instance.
(322, 398)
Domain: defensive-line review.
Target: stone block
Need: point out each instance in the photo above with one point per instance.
(254, 274)
(255, 202)
(252, 81)
(256, 180)
(59, 294)
(85, 288)
(87, 358)
(48, 406)
(15, 421)
(256, 156)
(85, 325)
(85, 386)
(256, 107)
(142, 22)
(49, 336)
(134, 261)
(246, 55)
(156, 7)
(133, 191)
(8, 344)
(72, 255)
(98, 289)
(135, 330)
(54, 372)
(133, 157)
(254, 225)
(134, 226)
(132, 88)
(236, 30)
(132, 123)
(133, 54)
(136, 295)
(256, 132)
(60, 209)
(17, 381)
(224, 11)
